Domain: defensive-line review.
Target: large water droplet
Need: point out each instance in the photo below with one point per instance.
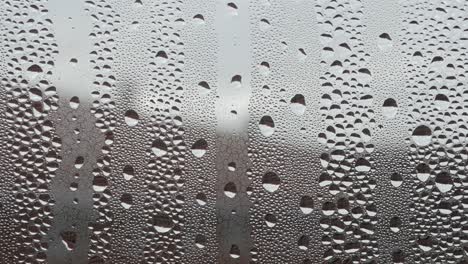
(126, 200)
(264, 68)
(307, 204)
(234, 252)
(441, 101)
(264, 25)
(159, 148)
(298, 104)
(270, 181)
(384, 42)
(266, 126)
(395, 224)
(270, 220)
(230, 190)
(363, 165)
(425, 243)
(199, 148)
(74, 102)
(35, 94)
(162, 223)
(396, 179)
(389, 108)
(128, 172)
(444, 182)
(203, 88)
(69, 239)
(423, 172)
(303, 242)
(161, 57)
(99, 183)
(201, 198)
(422, 135)
(131, 118)
(200, 241)
(236, 81)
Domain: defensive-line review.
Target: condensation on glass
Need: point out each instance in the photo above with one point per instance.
(233, 131)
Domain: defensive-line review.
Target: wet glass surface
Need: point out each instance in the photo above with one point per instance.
(244, 131)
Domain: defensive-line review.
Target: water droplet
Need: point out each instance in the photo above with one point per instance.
(79, 161)
(35, 68)
(230, 190)
(422, 135)
(199, 148)
(201, 198)
(236, 81)
(384, 42)
(396, 179)
(389, 108)
(425, 243)
(362, 165)
(443, 181)
(423, 172)
(128, 172)
(161, 57)
(306, 205)
(234, 252)
(232, 166)
(264, 68)
(126, 200)
(35, 94)
(303, 242)
(162, 223)
(69, 239)
(74, 102)
(266, 126)
(232, 9)
(99, 183)
(199, 19)
(270, 220)
(159, 148)
(203, 88)
(264, 25)
(200, 241)
(301, 54)
(131, 118)
(298, 104)
(395, 224)
(270, 181)
(441, 101)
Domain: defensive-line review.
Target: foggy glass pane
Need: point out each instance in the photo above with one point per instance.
(233, 131)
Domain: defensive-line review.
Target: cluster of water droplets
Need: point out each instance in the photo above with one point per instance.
(435, 41)
(266, 132)
(348, 212)
(104, 32)
(34, 145)
(181, 152)
(200, 133)
(165, 173)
